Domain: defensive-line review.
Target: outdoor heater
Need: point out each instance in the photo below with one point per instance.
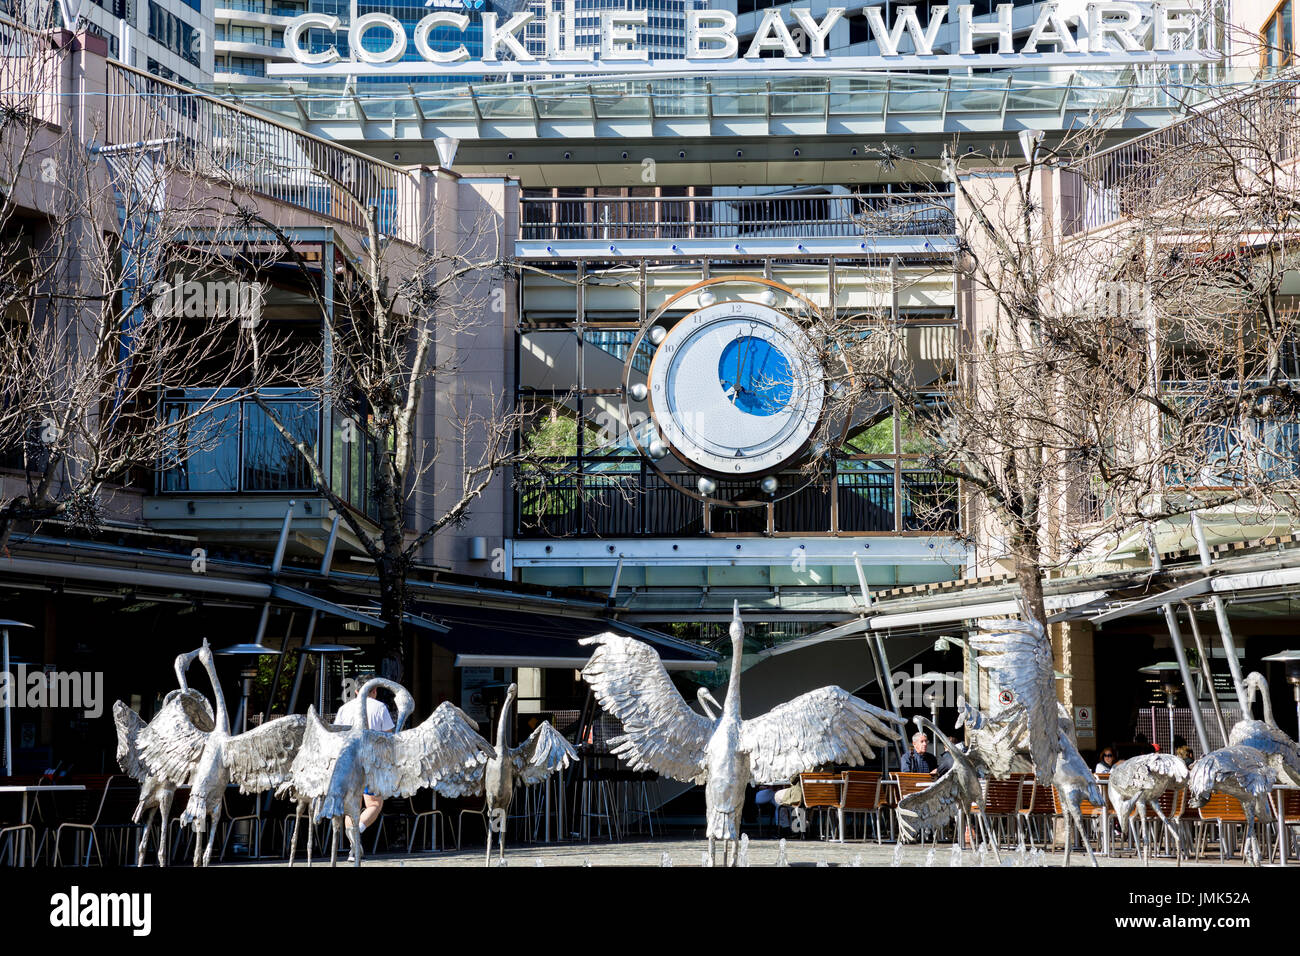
(9, 740)
(1166, 671)
(247, 674)
(1292, 661)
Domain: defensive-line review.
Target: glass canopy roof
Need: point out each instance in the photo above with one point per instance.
(742, 105)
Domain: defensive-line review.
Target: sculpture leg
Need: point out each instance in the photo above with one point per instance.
(1069, 835)
(212, 834)
(144, 840)
(355, 837)
(501, 836)
(1172, 831)
(1146, 848)
(334, 840)
(165, 805)
(297, 825)
(712, 858)
(1083, 834)
(198, 840)
(311, 835)
(988, 838)
(491, 821)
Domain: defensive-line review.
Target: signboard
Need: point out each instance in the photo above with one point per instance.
(1083, 718)
(1103, 34)
(472, 680)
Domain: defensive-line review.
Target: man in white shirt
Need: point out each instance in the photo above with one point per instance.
(377, 718)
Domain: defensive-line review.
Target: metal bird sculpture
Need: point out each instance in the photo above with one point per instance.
(171, 756)
(1241, 772)
(1019, 658)
(544, 752)
(1141, 781)
(948, 798)
(332, 769)
(997, 742)
(183, 719)
(662, 733)
(1265, 735)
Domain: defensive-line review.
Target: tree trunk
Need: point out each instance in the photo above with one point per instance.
(1029, 575)
(392, 639)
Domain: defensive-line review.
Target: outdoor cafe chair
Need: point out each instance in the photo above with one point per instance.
(87, 807)
(821, 792)
(863, 793)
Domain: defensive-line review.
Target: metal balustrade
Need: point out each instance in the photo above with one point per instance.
(30, 74)
(1184, 156)
(735, 217)
(632, 499)
(226, 143)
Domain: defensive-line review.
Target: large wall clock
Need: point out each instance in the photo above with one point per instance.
(735, 391)
(735, 388)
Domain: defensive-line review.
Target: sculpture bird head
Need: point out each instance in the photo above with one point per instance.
(737, 629)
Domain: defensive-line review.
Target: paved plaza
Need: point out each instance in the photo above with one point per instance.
(683, 851)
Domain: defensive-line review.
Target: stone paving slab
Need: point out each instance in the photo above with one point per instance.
(689, 852)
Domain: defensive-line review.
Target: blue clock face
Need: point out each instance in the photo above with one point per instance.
(755, 376)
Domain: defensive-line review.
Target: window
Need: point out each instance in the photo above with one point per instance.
(1279, 36)
(175, 34)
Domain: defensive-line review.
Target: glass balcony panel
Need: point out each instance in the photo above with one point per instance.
(270, 462)
(205, 448)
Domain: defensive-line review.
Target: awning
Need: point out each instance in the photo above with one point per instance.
(491, 637)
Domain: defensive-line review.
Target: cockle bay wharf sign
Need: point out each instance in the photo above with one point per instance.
(791, 40)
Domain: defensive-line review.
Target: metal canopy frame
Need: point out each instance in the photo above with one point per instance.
(792, 104)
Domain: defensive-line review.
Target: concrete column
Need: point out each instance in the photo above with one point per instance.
(1072, 653)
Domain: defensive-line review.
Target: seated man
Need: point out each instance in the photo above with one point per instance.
(918, 759)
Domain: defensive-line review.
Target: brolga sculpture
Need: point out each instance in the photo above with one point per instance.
(1265, 735)
(1019, 658)
(183, 719)
(997, 742)
(332, 769)
(169, 757)
(1241, 772)
(544, 752)
(662, 733)
(1141, 781)
(948, 798)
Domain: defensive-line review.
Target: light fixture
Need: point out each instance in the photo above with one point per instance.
(446, 146)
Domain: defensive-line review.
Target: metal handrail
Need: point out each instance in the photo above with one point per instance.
(671, 217)
(223, 141)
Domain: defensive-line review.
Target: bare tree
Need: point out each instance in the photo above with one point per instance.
(1129, 348)
(401, 322)
(93, 239)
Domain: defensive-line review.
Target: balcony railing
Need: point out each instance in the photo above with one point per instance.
(217, 140)
(235, 447)
(30, 73)
(737, 217)
(623, 498)
(1173, 161)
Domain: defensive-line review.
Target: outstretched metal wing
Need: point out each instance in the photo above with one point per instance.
(826, 725)
(542, 754)
(310, 769)
(660, 731)
(171, 744)
(995, 742)
(1019, 657)
(931, 808)
(261, 758)
(445, 753)
(129, 725)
